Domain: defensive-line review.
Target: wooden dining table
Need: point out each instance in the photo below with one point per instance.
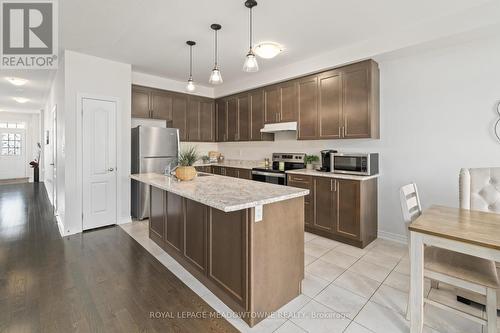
(471, 232)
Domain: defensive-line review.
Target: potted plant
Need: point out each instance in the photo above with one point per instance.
(309, 160)
(186, 170)
(35, 164)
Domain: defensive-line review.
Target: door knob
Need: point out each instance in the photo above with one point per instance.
(111, 169)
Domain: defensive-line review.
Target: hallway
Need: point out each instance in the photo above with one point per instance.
(98, 281)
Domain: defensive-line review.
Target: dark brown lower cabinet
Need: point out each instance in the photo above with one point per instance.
(228, 251)
(245, 174)
(232, 172)
(231, 254)
(305, 182)
(340, 209)
(174, 221)
(157, 209)
(195, 234)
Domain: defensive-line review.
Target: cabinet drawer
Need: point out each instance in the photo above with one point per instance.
(300, 179)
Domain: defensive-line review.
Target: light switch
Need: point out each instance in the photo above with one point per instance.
(258, 213)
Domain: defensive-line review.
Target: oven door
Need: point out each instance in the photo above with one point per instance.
(269, 177)
(350, 164)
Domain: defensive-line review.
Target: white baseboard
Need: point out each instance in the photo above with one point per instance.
(125, 220)
(393, 237)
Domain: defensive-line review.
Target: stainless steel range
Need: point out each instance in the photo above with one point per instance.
(281, 162)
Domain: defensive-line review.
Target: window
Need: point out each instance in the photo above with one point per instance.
(10, 144)
(4, 124)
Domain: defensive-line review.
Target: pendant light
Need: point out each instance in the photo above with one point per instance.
(215, 77)
(190, 85)
(250, 64)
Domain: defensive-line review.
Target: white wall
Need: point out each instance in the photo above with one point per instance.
(104, 78)
(159, 82)
(437, 116)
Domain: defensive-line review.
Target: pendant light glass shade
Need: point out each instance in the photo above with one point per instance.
(250, 65)
(190, 85)
(215, 77)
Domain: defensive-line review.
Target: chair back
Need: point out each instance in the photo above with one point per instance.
(410, 203)
(479, 189)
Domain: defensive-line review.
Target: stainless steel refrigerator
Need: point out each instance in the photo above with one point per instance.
(153, 150)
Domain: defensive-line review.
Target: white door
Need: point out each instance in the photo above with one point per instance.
(99, 163)
(53, 164)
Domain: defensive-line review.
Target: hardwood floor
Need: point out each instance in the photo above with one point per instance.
(98, 281)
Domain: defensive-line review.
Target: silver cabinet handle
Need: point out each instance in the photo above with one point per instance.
(111, 169)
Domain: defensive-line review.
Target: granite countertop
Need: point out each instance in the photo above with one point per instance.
(225, 193)
(330, 174)
(240, 164)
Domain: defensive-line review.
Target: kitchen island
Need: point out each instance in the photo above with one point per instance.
(243, 240)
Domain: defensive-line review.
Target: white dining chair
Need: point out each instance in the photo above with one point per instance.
(479, 189)
(454, 268)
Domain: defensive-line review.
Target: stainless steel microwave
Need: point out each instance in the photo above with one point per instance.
(354, 163)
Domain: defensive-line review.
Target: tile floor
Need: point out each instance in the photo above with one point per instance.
(345, 289)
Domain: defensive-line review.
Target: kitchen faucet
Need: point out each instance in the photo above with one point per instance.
(168, 169)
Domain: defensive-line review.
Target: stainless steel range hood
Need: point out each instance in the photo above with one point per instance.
(279, 127)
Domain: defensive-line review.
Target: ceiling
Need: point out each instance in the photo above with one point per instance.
(151, 34)
(35, 90)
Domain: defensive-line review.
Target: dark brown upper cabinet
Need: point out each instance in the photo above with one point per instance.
(141, 102)
(287, 101)
(179, 115)
(200, 119)
(330, 105)
(360, 104)
(243, 118)
(271, 104)
(207, 120)
(221, 108)
(342, 103)
(193, 120)
(161, 105)
(232, 119)
(307, 90)
(256, 105)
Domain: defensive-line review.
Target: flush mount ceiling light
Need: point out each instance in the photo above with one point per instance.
(268, 50)
(21, 100)
(16, 81)
(215, 77)
(250, 64)
(190, 85)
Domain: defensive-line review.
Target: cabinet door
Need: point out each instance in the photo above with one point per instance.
(330, 105)
(304, 182)
(174, 231)
(256, 114)
(325, 204)
(245, 174)
(195, 240)
(161, 105)
(232, 172)
(207, 121)
(307, 90)
(157, 211)
(193, 120)
(288, 102)
(356, 111)
(348, 224)
(179, 115)
(216, 170)
(232, 119)
(140, 102)
(227, 254)
(243, 118)
(221, 106)
(271, 104)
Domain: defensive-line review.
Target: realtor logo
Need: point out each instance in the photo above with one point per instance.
(29, 34)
